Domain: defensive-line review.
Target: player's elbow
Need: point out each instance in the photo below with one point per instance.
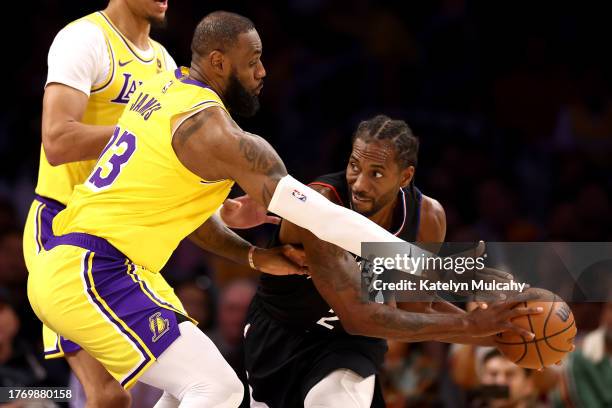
(55, 152)
(352, 324)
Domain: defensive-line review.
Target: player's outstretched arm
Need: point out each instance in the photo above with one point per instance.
(65, 139)
(337, 278)
(215, 237)
(212, 146)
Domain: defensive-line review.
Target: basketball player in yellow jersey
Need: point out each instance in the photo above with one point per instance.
(95, 64)
(168, 166)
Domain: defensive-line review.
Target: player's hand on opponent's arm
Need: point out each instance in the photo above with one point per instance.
(244, 212)
(497, 317)
(281, 260)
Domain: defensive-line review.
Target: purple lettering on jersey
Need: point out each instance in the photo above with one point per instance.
(115, 162)
(127, 89)
(145, 107)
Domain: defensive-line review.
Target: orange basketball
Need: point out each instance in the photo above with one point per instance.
(554, 331)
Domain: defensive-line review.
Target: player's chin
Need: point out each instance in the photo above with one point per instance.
(362, 207)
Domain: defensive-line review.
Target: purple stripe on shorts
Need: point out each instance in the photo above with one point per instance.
(156, 326)
(67, 346)
(87, 241)
(51, 203)
(47, 214)
(146, 288)
(104, 264)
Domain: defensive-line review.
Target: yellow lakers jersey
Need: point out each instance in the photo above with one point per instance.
(139, 196)
(106, 103)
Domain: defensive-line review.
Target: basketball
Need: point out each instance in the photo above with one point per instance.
(554, 331)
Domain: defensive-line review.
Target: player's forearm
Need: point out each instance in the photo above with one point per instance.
(395, 324)
(439, 305)
(215, 237)
(72, 141)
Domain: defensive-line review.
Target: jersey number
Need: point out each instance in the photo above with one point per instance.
(323, 321)
(108, 167)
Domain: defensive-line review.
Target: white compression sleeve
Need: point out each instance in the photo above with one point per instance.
(341, 388)
(345, 228)
(193, 371)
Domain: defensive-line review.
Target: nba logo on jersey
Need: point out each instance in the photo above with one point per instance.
(158, 325)
(299, 196)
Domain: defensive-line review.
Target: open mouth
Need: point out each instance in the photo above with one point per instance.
(358, 199)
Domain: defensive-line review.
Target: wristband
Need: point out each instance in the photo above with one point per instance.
(251, 252)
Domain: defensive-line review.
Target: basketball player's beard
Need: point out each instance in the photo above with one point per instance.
(376, 205)
(239, 100)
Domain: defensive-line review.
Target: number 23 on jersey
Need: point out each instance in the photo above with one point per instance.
(115, 155)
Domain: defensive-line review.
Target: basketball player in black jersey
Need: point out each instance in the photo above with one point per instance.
(304, 338)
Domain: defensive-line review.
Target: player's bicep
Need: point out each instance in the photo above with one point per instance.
(212, 146)
(61, 104)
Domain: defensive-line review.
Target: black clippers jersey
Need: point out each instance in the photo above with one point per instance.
(294, 300)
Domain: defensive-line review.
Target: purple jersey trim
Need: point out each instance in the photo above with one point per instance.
(51, 203)
(185, 79)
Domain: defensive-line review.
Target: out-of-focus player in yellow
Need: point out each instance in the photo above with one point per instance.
(95, 65)
(169, 165)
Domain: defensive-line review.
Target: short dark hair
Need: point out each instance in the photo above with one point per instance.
(496, 353)
(219, 30)
(382, 127)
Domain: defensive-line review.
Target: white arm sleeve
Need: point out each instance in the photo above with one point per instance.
(308, 209)
(78, 57)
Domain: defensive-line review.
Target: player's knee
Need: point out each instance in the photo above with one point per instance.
(227, 392)
(108, 396)
(232, 387)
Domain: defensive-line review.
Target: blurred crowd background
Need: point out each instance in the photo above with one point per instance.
(513, 107)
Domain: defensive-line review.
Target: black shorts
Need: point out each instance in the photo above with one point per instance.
(283, 363)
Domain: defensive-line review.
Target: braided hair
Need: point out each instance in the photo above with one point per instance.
(382, 127)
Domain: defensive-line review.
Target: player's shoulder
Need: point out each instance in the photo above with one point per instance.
(432, 223)
(430, 206)
(83, 29)
(331, 186)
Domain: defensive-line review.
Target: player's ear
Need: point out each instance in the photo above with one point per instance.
(406, 176)
(217, 61)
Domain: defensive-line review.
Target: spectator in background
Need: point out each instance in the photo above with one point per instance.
(196, 299)
(234, 303)
(504, 384)
(18, 364)
(410, 375)
(587, 376)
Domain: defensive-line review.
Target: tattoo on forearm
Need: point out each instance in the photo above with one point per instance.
(266, 193)
(396, 320)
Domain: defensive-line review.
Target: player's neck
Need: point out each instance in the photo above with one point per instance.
(134, 28)
(199, 74)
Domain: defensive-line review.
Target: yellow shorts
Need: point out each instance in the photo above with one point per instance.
(37, 231)
(120, 313)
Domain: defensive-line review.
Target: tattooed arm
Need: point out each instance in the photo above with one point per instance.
(215, 237)
(211, 145)
(337, 278)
